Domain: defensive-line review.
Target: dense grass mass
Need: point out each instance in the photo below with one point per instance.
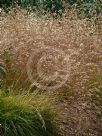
(22, 115)
(32, 49)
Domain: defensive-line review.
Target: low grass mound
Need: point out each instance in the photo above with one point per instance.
(23, 115)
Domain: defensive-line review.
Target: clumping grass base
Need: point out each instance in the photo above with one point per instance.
(20, 116)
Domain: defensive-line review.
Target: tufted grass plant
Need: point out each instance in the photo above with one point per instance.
(26, 115)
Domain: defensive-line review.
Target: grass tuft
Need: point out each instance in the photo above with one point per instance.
(21, 115)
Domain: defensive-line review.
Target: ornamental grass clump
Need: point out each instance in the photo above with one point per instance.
(21, 115)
